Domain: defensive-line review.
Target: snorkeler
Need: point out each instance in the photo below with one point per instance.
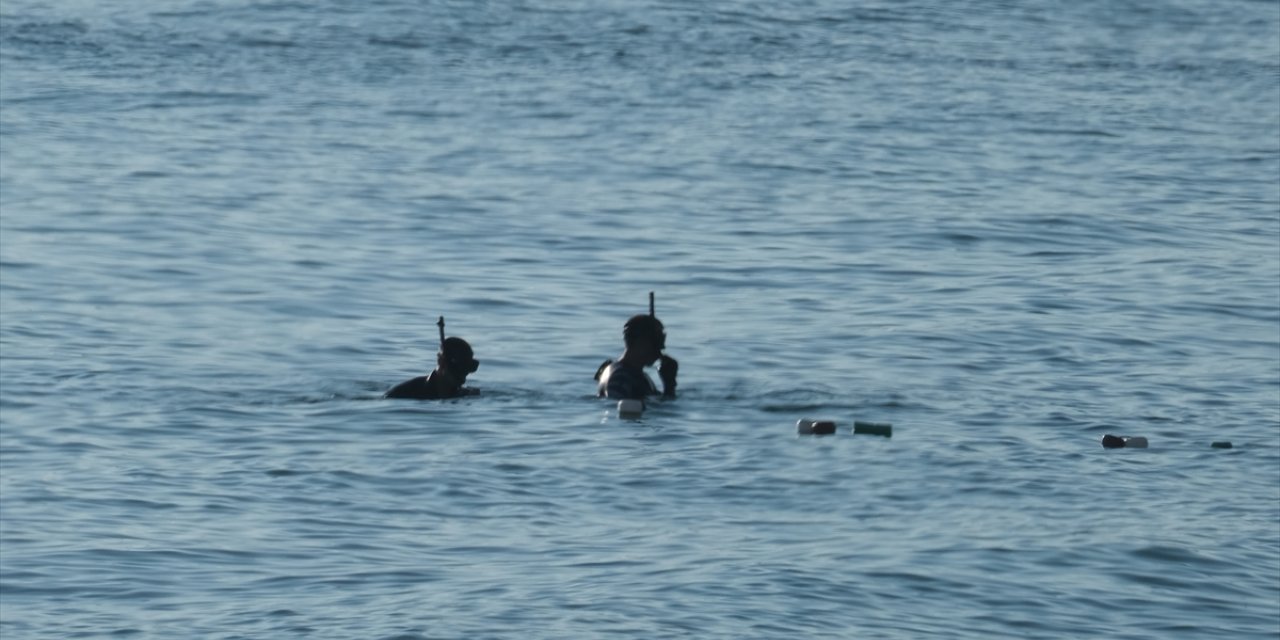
(644, 339)
(454, 362)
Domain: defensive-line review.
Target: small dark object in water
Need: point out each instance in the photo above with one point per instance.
(1221, 445)
(1112, 442)
(806, 427)
(1128, 442)
(873, 428)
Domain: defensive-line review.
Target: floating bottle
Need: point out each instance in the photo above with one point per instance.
(873, 428)
(1124, 442)
(807, 427)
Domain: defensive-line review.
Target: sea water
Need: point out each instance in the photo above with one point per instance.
(1007, 229)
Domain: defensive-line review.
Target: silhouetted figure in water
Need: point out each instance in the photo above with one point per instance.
(644, 339)
(454, 362)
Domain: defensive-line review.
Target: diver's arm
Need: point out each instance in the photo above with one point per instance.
(667, 372)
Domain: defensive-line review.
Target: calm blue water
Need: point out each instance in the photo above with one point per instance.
(1006, 228)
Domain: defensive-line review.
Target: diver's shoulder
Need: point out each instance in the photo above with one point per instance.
(604, 368)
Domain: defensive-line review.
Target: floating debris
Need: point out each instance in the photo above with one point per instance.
(873, 429)
(1124, 442)
(807, 427)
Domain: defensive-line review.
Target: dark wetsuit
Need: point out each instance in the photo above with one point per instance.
(622, 382)
(426, 388)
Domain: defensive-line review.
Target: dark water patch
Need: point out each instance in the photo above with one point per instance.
(392, 577)
(125, 505)
(43, 37)
(404, 41)
(797, 407)
(12, 590)
(282, 473)
(1160, 580)
(1264, 313)
(149, 174)
(425, 114)
(266, 41)
(1098, 133)
(175, 99)
(1177, 555)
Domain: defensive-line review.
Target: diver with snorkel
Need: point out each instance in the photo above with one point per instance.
(454, 362)
(644, 338)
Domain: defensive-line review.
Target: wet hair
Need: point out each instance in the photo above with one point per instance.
(644, 327)
(459, 355)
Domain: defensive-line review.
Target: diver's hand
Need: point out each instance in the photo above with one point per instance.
(667, 371)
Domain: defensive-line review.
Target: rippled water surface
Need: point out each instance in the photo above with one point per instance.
(226, 227)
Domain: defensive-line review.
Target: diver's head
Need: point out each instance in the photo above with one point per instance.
(457, 358)
(645, 333)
